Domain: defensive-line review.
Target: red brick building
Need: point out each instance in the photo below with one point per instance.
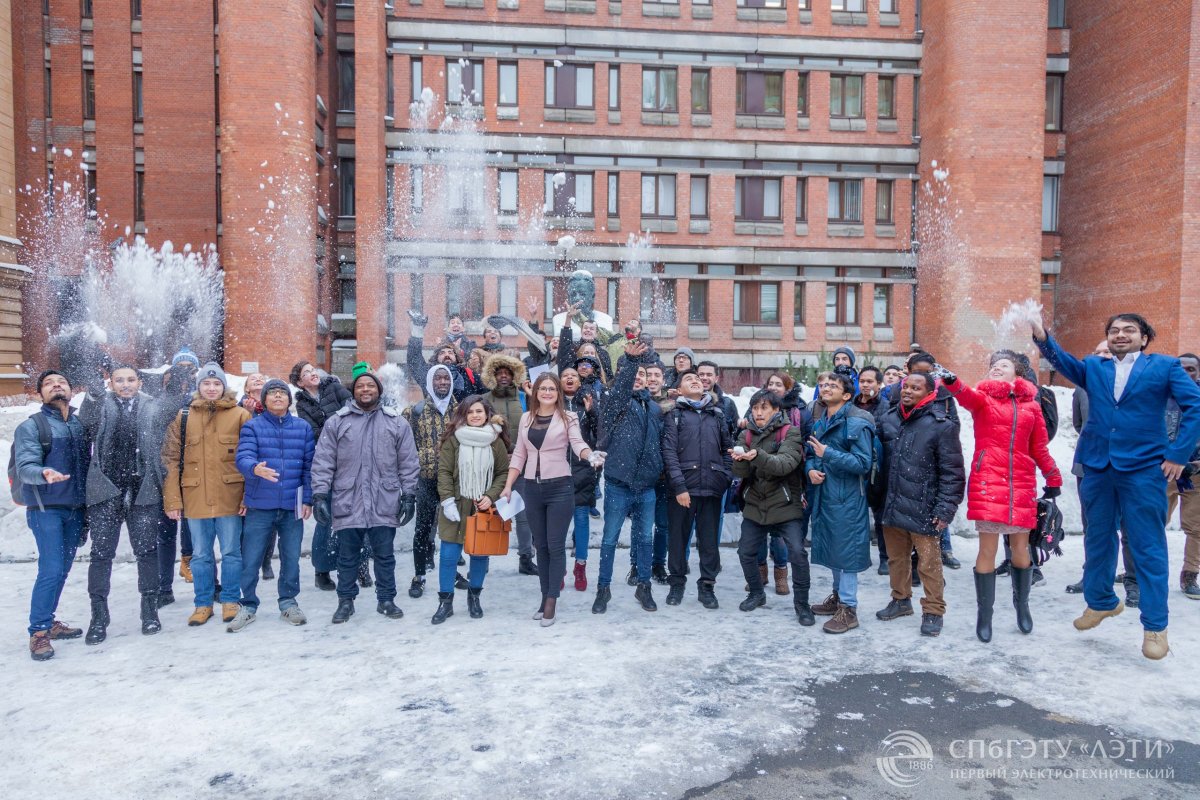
(771, 153)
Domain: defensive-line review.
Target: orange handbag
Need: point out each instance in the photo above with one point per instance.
(487, 534)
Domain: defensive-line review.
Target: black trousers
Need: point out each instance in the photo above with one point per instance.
(705, 514)
(104, 522)
(550, 509)
(166, 548)
(753, 536)
(426, 524)
(383, 550)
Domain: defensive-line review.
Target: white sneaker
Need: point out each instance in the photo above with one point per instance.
(244, 617)
(293, 615)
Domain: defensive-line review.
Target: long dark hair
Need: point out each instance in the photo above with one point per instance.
(534, 405)
(459, 419)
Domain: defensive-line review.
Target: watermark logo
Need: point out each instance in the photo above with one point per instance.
(904, 758)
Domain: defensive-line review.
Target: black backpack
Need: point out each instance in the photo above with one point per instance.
(1046, 539)
(46, 438)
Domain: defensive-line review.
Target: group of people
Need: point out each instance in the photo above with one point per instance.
(594, 421)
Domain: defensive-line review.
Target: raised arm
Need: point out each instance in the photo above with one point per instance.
(1070, 367)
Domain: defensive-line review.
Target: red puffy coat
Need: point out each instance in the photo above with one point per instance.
(1010, 440)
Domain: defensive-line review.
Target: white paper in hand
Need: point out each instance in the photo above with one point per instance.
(511, 507)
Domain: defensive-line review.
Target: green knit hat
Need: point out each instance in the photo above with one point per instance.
(359, 369)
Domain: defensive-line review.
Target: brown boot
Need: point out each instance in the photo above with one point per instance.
(1154, 645)
(229, 611)
(60, 630)
(828, 607)
(201, 615)
(762, 574)
(185, 568)
(781, 581)
(846, 619)
(1091, 617)
(40, 648)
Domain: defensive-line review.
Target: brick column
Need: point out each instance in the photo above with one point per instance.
(370, 194)
(983, 118)
(268, 253)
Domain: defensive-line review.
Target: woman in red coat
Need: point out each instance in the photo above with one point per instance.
(1011, 442)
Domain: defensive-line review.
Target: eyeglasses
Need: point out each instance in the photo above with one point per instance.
(279, 393)
(829, 386)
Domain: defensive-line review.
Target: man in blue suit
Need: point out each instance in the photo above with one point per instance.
(1125, 454)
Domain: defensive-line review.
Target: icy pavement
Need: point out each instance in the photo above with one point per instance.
(626, 705)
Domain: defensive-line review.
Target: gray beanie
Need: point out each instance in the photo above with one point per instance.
(270, 385)
(849, 353)
(212, 370)
(685, 351)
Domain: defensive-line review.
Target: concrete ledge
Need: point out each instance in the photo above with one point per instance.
(743, 331)
(802, 123)
(751, 228)
(569, 115)
(613, 224)
(774, 121)
(660, 118)
(507, 220)
(886, 125)
(849, 18)
(885, 231)
(843, 333)
(464, 112)
(614, 8)
(656, 225)
(806, 17)
(571, 6)
(701, 120)
(702, 12)
(842, 230)
(697, 331)
(571, 223)
(762, 14)
(699, 226)
(660, 331)
(889, 20)
(508, 112)
(614, 118)
(659, 9)
(463, 3)
(345, 119)
(508, 5)
(884, 335)
(802, 229)
(799, 333)
(847, 124)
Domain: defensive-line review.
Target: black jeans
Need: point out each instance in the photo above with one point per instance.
(753, 536)
(705, 514)
(166, 548)
(104, 523)
(426, 524)
(383, 549)
(550, 509)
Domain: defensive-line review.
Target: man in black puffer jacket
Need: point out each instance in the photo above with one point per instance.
(925, 480)
(695, 446)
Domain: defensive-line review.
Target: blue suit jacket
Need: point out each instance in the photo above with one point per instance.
(1130, 433)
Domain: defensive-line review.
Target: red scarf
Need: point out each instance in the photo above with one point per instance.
(929, 398)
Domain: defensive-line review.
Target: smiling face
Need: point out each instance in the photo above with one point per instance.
(588, 331)
(914, 390)
(254, 384)
(441, 382)
(366, 393)
(547, 394)
(477, 415)
(833, 392)
(868, 384)
(1003, 370)
(278, 401)
(310, 379)
(586, 350)
(445, 355)
(691, 387)
(640, 381)
(125, 382)
(211, 389)
(55, 388)
(504, 378)
(585, 369)
(491, 335)
(708, 377)
(1125, 336)
(775, 386)
(454, 325)
(654, 379)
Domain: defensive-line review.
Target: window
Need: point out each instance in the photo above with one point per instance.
(756, 199)
(848, 5)
(568, 194)
(845, 96)
(85, 8)
(756, 303)
(89, 93)
(802, 94)
(1058, 14)
(464, 81)
(841, 304)
(135, 9)
(614, 88)
(139, 196)
(345, 82)
(89, 188)
(760, 92)
(805, 5)
(569, 85)
(1050, 204)
(801, 199)
(47, 110)
(349, 305)
(417, 186)
(887, 7)
(658, 196)
(698, 204)
(391, 87)
(657, 301)
(845, 201)
(1054, 102)
(883, 202)
(464, 199)
(507, 187)
(346, 187)
(798, 303)
(614, 299)
(416, 78)
(698, 301)
(137, 97)
(508, 84)
(508, 297)
(464, 296)
(659, 89)
(701, 92)
(886, 105)
(882, 305)
(614, 194)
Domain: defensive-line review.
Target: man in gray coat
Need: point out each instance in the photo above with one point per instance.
(364, 483)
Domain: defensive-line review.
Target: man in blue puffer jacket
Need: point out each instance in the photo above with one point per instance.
(275, 453)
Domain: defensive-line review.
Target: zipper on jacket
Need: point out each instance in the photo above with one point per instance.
(1012, 445)
(979, 459)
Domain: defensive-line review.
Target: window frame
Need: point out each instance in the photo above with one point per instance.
(614, 87)
(612, 202)
(747, 81)
(885, 189)
(845, 312)
(742, 199)
(347, 184)
(842, 183)
(802, 83)
(569, 189)
(893, 7)
(515, 175)
(416, 77)
(139, 195)
(693, 182)
(659, 77)
(470, 289)
(467, 91)
(658, 181)
(516, 83)
(553, 84)
(842, 5)
(801, 199)
(1055, 198)
(1054, 125)
(798, 298)
(697, 287)
(886, 289)
(345, 82)
(838, 110)
(88, 92)
(890, 112)
(748, 302)
(658, 287)
(1056, 14)
(139, 96)
(706, 107)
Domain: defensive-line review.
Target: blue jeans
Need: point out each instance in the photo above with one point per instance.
(662, 529)
(846, 585)
(256, 537)
(56, 532)
(946, 546)
(228, 532)
(621, 502)
(778, 549)
(448, 568)
(583, 531)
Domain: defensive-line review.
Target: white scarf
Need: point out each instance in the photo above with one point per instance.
(476, 467)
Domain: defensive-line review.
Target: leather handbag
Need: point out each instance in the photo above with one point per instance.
(487, 534)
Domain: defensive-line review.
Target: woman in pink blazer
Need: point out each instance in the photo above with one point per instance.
(540, 456)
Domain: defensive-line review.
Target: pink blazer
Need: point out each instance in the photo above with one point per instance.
(551, 460)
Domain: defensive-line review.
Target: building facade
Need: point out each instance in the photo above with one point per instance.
(744, 176)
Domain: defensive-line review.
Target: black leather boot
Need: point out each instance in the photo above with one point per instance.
(97, 631)
(1022, 580)
(985, 598)
(473, 607)
(445, 608)
(150, 623)
(345, 610)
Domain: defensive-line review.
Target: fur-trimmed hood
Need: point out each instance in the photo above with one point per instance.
(1025, 391)
(495, 362)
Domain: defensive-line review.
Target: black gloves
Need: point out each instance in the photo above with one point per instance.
(417, 317)
(944, 374)
(322, 510)
(408, 507)
(1051, 492)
